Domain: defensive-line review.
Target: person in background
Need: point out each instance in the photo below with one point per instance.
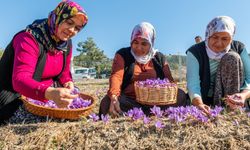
(38, 57)
(218, 68)
(138, 62)
(198, 39)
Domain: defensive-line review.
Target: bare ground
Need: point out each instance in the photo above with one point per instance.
(26, 131)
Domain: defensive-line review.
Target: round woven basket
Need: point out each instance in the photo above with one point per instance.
(60, 112)
(156, 96)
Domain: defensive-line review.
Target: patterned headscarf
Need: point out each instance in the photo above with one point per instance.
(146, 31)
(44, 30)
(219, 24)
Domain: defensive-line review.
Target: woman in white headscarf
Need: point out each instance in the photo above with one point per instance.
(138, 62)
(218, 68)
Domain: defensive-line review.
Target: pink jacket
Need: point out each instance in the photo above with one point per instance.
(26, 56)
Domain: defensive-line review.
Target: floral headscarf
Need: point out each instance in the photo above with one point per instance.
(219, 24)
(44, 30)
(146, 31)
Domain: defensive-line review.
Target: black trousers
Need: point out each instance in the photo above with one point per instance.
(127, 103)
(9, 103)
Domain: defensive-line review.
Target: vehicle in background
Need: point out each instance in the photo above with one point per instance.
(81, 73)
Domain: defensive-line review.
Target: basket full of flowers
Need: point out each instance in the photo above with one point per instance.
(156, 92)
(81, 106)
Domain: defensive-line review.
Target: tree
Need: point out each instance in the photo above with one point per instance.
(1, 52)
(91, 56)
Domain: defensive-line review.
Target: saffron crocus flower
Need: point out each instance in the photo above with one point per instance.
(36, 102)
(236, 123)
(105, 118)
(146, 120)
(216, 111)
(159, 124)
(135, 113)
(79, 103)
(248, 115)
(76, 90)
(156, 111)
(94, 117)
(50, 104)
(154, 83)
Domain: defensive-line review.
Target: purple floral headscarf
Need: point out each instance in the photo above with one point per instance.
(64, 10)
(44, 29)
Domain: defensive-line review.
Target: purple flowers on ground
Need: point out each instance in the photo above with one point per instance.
(214, 112)
(156, 111)
(105, 118)
(174, 114)
(248, 114)
(146, 120)
(181, 114)
(159, 124)
(135, 113)
(94, 117)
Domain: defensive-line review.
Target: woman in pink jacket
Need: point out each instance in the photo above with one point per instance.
(38, 57)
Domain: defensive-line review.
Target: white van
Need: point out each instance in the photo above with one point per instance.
(81, 73)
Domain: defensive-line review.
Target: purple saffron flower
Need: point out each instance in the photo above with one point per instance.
(130, 113)
(156, 111)
(248, 115)
(236, 123)
(159, 124)
(135, 113)
(76, 90)
(40, 103)
(94, 117)
(216, 111)
(146, 120)
(105, 118)
(50, 104)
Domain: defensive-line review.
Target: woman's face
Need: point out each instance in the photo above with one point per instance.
(140, 47)
(70, 27)
(219, 41)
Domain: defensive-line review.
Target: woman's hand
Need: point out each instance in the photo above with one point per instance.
(114, 107)
(236, 100)
(198, 103)
(61, 96)
(69, 85)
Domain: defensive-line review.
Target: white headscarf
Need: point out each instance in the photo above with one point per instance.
(219, 24)
(146, 31)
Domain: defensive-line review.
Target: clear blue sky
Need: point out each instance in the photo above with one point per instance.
(177, 22)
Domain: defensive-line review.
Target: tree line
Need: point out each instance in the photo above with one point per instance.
(92, 56)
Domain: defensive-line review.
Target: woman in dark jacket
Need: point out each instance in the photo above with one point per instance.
(139, 62)
(218, 68)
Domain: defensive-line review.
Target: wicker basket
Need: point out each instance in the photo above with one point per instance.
(156, 96)
(58, 112)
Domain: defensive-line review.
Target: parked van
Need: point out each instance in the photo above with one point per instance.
(81, 73)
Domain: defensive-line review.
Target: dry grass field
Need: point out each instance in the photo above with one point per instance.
(230, 130)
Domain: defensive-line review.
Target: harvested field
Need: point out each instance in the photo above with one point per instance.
(26, 131)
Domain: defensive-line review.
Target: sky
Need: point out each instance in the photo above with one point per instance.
(111, 22)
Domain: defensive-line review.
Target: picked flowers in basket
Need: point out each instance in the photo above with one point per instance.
(156, 92)
(155, 83)
(76, 103)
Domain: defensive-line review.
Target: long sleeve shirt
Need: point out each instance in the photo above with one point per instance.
(141, 72)
(25, 60)
(193, 79)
